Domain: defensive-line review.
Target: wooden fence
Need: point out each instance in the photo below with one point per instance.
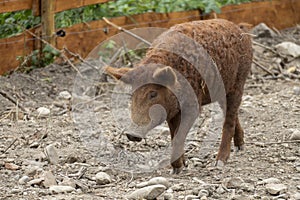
(82, 38)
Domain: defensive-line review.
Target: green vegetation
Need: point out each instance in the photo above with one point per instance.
(14, 22)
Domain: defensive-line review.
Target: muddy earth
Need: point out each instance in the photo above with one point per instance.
(55, 144)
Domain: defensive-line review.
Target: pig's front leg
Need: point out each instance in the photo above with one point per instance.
(179, 128)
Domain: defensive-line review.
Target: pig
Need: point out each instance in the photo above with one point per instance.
(160, 94)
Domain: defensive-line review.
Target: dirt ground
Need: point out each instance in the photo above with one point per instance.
(269, 114)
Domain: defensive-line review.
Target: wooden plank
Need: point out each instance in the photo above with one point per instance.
(82, 38)
(11, 48)
(47, 21)
(277, 13)
(14, 5)
(61, 5)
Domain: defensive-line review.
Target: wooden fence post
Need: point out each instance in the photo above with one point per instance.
(47, 17)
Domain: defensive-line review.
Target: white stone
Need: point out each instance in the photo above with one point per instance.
(154, 181)
(275, 189)
(102, 178)
(49, 179)
(297, 196)
(52, 154)
(190, 197)
(43, 111)
(24, 180)
(232, 183)
(149, 192)
(268, 181)
(296, 90)
(65, 95)
(61, 189)
(288, 48)
(295, 135)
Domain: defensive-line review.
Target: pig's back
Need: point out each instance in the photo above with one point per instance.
(228, 46)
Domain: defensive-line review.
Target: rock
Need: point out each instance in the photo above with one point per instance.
(247, 187)
(32, 170)
(43, 111)
(49, 179)
(11, 166)
(178, 187)
(102, 178)
(295, 135)
(190, 197)
(298, 187)
(24, 180)
(61, 189)
(297, 196)
(52, 154)
(288, 48)
(69, 182)
(203, 198)
(34, 145)
(149, 192)
(203, 193)
(241, 197)
(154, 181)
(262, 30)
(232, 183)
(36, 181)
(168, 196)
(220, 190)
(276, 189)
(296, 90)
(268, 181)
(65, 95)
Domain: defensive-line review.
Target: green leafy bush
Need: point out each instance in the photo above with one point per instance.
(14, 22)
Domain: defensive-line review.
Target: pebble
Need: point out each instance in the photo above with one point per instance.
(298, 187)
(190, 197)
(178, 187)
(49, 179)
(220, 190)
(296, 90)
(154, 181)
(203, 193)
(102, 178)
(43, 111)
(275, 189)
(262, 30)
(61, 189)
(297, 196)
(32, 170)
(64, 95)
(11, 166)
(295, 135)
(24, 180)
(232, 183)
(288, 48)
(148, 192)
(36, 181)
(204, 198)
(69, 182)
(268, 181)
(34, 145)
(247, 187)
(168, 196)
(52, 154)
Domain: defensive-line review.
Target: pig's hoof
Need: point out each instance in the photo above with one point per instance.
(239, 148)
(176, 170)
(219, 164)
(133, 138)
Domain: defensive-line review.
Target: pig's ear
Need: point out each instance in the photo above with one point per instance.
(165, 75)
(119, 73)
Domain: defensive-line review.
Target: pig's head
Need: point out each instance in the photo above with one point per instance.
(153, 100)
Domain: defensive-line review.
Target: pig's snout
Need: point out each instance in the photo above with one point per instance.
(133, 138)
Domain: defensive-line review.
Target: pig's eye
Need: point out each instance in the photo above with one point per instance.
(152, 94)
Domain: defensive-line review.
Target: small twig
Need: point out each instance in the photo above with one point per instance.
(268, 48)
(126, 31)
(262, 67)
(13, 100)
(7, 148)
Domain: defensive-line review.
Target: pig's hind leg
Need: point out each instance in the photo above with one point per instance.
(231, 127)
